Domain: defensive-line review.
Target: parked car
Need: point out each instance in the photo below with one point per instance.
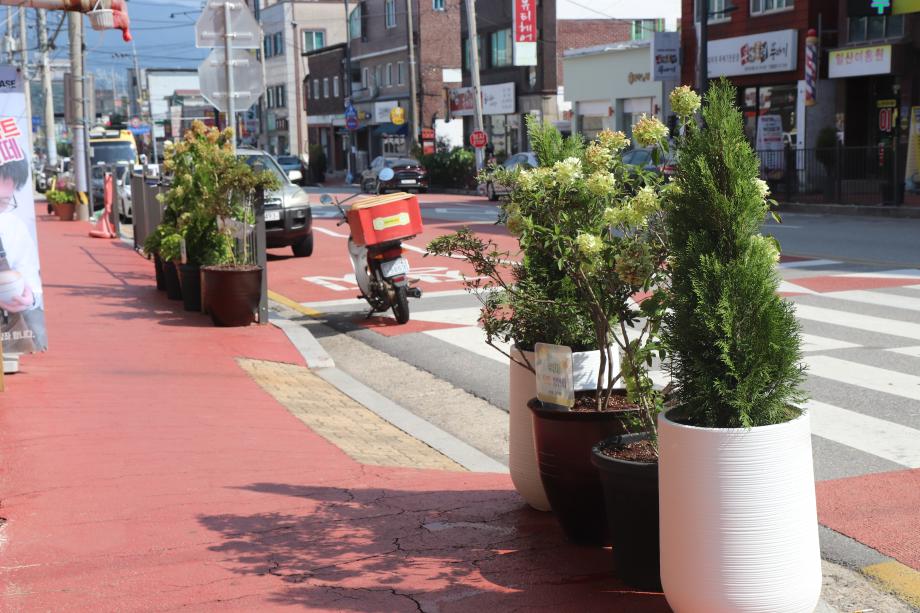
(641, 157)
(408, 173)
(518, 161)
(288, 217)
(290, 163)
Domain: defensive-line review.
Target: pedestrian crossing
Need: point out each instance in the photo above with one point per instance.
(865, 395)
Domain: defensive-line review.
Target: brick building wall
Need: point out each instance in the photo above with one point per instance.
(581, 33)
(325, 63)
(439, 47)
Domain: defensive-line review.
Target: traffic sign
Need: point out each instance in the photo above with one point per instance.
(479, 139)
(351, 123)
(210, 29)
(248, 79)
(135, 122)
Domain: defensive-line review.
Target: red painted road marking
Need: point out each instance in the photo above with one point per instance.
(388, 327)
(839, 283)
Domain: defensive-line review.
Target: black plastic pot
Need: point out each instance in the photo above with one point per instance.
(158, 268)
(631, 494)
(190, 279)
(231, 293)
(171, 280)
(564, 440)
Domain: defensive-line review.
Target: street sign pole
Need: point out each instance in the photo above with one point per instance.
(228, 59)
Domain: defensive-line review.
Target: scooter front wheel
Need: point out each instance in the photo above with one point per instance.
(401, 305)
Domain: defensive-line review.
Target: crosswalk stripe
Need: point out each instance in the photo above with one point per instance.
(791, 288)
(808, 263)
(902, 273)
(862, 375)
(879, 437)
(895, 301)
(913, 352)
(813, 342)
(868, 323)
(463, 316)
(472, 340)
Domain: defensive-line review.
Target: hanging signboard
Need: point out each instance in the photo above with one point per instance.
(525, 33)
(859, 61)
(21, 297)
(753, 53)
(382, 110)
(666, 56)
(496, 100)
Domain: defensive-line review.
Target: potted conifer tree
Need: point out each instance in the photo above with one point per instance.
(738, 520)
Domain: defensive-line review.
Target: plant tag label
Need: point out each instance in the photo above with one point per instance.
(183, 255)
(554, 374)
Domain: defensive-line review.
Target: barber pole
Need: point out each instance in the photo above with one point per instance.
(811, 67)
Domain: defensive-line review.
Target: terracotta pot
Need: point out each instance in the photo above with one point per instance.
(564, 441)
(190, 280)
(158, 269)
(631, 495)
(65, 210)
(739, 526)
(522, 386)
(231, 293)
(171, 279)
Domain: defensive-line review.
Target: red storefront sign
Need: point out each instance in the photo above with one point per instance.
(525, 21)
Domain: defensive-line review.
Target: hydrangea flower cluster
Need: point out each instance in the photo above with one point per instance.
(649, 131)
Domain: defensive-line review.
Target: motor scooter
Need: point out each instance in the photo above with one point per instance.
(381, 271)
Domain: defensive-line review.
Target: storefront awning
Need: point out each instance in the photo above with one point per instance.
(391, 128)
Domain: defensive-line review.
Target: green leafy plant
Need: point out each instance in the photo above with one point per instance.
(733, 342)
(591, 238)
(454, 168)
(60, 196)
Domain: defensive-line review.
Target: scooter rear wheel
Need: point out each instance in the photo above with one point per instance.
(401, 305)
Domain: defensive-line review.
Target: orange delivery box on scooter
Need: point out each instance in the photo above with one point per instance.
(383, 219)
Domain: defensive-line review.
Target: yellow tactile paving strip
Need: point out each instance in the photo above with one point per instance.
(363, 435)
(898, 578)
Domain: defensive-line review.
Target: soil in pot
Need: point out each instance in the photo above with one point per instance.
(65, 211)
(232, 293)
(190, 279)
(158, 268)
(171, 278)
(628, 469)
(564, 440)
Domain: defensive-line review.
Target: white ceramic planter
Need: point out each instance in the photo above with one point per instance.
(739, 526)
(522, 455)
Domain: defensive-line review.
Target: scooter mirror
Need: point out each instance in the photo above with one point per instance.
(325, 199)
(386, 174)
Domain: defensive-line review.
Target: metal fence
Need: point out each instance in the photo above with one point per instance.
(837, 175)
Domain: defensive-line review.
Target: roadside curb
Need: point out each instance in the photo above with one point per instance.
(322, 364)
(854, 210)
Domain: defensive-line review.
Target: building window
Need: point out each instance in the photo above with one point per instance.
(316, 89)
(391, 13)
(390, 75)
(400, 73)
(501, 48)
(270, 97)
(876, 27)
(355, 23)
(313, 40)
(716, 11)
(326, 87)
(335, 87)
(279, 43)
(644, 29)
(281, 97)
(306, 89)
(437, 5)
(762, 7)
(267, 46)
(466, 51)
(365, 77)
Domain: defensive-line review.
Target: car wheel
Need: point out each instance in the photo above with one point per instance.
(490, 192)
(304, 247)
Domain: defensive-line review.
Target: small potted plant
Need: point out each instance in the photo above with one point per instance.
(63, 201)
(739, 527)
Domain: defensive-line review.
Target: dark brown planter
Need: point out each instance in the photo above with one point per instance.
(190, 280)
(158, 268)
(65, 211)
(564, 440)
(631, 493)
(171, 278)
(231, 293)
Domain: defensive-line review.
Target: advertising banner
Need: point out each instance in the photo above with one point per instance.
(525, 33)
(666, 56)
(912, 174)
(770, 143)
(859, 61)
(22, 318)
(496, 100)
(753, 54)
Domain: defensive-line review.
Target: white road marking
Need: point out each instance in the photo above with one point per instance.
(868, 323)
(464, 316)
(473, 340)
(323, 230)
(813, 342)
(903, 273)
(913, 352)
(868, 377)
(792, 288)
(808, 263)
(895, 301)
(879, 437)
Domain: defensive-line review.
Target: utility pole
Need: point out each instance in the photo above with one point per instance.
(349, 174)
(413, 86)
(8, 37)
(24, 67)
(703, 51)
(231, 110)
(50, 135)
(296, 115)
(474, 72)
(77, 127)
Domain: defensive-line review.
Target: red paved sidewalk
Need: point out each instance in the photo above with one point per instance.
(142, 470)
